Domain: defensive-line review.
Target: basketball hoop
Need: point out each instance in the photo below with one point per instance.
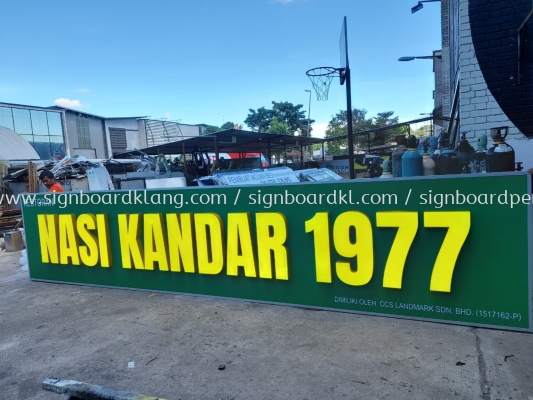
(321, 78)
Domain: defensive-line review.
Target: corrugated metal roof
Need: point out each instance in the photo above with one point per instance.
(15, 147)
(230, 141)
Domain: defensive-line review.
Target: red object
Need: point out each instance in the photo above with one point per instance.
(56, 187)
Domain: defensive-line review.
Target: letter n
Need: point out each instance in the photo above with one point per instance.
(48, 228)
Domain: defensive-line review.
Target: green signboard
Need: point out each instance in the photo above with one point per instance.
(453, 249)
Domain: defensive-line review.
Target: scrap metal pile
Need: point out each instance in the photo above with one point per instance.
(68, 168)
(10, 220)
(71, 168)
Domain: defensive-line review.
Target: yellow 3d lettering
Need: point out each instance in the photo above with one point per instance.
(48, 238)
(155, 250)
(240, 251)
(458, 224)
(104, 242)
(407, 224)
(88, 252)
(130, 245)
(68, 240)
(180, 242)
(319, 225)
(210, 251)
(271, 237)
(362, 247)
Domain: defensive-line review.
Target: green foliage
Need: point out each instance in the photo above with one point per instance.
(338, 126)
(227, 125)
(292, 116)
(211, 129)
(405, 130)
(385, 137)
(259, 121)
(278, 126)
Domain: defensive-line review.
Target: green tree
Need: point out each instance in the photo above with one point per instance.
(259, 121)
(211, 129)
(293, 117)
(227, 125)
(278, 126)
(338, 126)
(385, 137)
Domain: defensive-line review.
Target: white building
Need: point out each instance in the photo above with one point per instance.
(59, 131)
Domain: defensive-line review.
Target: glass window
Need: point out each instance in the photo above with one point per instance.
(22, 121)
(84, 136)
(28, 138)
(39, 123)
(41, 139)
(55, 127)
(57, 149)
(43, 149)
(6, 117)
(56, 139)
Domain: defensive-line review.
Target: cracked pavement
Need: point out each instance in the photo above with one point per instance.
(178, 342)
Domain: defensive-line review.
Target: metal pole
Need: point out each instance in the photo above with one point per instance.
(301, 156)
(309, 116)
(184, 159)
(308, 120)
(351, 160)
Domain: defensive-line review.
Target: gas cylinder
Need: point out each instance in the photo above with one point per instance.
(397, 156)
(411, 159)
(464, 151)
(448, 163)
(421, 148)
(478, 160)
(500, 157)
(442, 142)
(428, 164)
(386, 170)
(433, 144)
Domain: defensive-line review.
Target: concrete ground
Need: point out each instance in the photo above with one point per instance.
(178, 344)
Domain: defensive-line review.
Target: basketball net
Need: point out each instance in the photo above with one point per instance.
(321, 79)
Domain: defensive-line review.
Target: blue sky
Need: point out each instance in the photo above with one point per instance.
(210, 61)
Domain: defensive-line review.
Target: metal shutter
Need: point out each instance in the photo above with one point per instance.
(118, 140)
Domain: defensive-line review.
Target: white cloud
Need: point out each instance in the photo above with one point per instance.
(82, 90)
(167, 116)
(69, 103)
(284, 1)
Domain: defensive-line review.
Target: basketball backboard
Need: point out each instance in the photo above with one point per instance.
(343, 50)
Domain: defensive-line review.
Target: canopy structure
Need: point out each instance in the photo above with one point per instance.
(15, 147)
(231, 141)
